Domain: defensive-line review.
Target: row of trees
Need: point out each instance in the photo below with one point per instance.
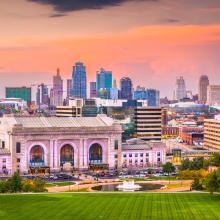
(197, 169)
(17, 184)
(210, 183)
(200, 163)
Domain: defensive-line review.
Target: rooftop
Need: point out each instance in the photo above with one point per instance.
(59, 122)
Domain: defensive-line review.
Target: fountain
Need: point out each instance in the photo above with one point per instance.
(128, 186)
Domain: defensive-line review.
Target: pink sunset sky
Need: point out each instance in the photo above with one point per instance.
(151, 41)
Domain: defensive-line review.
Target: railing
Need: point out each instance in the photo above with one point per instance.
(95, 161)
(39, 163)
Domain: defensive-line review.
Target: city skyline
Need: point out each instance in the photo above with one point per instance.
(170, 40)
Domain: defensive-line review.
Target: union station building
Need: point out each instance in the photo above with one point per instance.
(53, 144)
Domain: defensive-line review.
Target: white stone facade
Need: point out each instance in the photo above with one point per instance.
(140, 154)
(22, 135)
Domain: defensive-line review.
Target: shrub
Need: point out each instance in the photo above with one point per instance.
(197, 184)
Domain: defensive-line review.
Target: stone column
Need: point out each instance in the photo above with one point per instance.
(51, 161)
(85, 154)
(111, 154)
(56, 156)
(80, 153)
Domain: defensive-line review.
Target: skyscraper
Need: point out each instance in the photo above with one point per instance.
(93, 91)
(79, 81)
(203, 85)
(213, 94)
(153, 97)
(69, 88)
(114, 91)
(126, 88)
(42, 95)
(57, 90)
(180, 89)
(103, 83)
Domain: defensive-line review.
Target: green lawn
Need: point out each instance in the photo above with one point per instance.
(59, 184)
(110, 206)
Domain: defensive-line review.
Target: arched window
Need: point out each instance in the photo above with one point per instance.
(95, 154)
(37, 156)
(67, 155)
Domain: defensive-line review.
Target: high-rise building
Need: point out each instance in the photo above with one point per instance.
(23, 93)
(57, 90)
(180, 91)
(153, 97)
(126, 88)
(79, 81)
(203, 85)
(147, 122)
(103, 83)
(93, 91)
(114, 91)
(69, 88)
(103, 79)
(213, 94)
(42, 96)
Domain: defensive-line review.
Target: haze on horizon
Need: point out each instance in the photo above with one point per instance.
(151, 41)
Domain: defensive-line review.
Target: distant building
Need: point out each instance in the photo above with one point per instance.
(151, 95)
(164, 116)
(13, 103)
(180, 91)
(212, 134)
(148, 123)
(89, 108)
(93, 90)
(103, 79)
(213, 94)
(57, 90)
(42, 96)
(23, 93)
(188, 107)
(79, 81)
(69, 88)
(126, 88)
(73, 109)
(114, 92)
(137, 154)
(203, 86)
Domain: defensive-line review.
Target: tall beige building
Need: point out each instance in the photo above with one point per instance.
(148, 123)
(203, 84)
(212, 134)
(213, 94)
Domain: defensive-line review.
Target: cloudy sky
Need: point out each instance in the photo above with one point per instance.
(152, 41)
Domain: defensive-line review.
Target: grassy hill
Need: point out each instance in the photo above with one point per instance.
(110, 206)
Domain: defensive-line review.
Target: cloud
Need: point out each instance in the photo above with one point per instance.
(172, 20)
(57, 15)
(76, 5)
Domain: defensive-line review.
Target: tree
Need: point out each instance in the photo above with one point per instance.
(213, 182)
(197, 184)
(15, 183)
(185, 164)
(169, 168)
(215, 160)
